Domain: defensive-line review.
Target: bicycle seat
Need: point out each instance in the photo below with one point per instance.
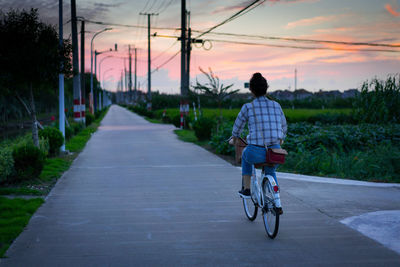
(262, 164)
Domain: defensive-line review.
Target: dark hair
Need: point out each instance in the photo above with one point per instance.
(258, 84)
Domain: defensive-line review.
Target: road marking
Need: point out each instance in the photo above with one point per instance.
(316, 179)
(382, 226)
(326, 180)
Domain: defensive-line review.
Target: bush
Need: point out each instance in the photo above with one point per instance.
(219, 140)
(142, 111)
(69, 132)
(379, 101)
(55, 138)
(97, 114)
(203, 127)
(332, 118)
(89, 119)
(176, 120)
(379, 164)
(6, 164)
(76, 127)
(28, 161)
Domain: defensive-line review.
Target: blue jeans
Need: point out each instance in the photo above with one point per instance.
(255, 154)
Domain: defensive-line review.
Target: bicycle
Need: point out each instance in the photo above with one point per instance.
(264, 195)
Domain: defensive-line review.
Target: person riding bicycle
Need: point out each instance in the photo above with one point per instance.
(270, 119)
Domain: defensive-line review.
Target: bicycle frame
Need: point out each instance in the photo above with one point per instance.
(257, 193)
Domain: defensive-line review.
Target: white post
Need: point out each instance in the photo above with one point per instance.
(61, 78)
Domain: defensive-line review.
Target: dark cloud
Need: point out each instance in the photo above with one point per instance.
(102, 7)
(48, 9)
(243, 4)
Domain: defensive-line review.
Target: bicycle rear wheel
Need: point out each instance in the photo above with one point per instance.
(250, 209)
(270, 216)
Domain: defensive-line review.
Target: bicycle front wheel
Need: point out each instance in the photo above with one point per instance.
(250, 209)
(270, 216)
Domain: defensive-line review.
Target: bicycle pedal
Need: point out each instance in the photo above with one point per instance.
(279, 210)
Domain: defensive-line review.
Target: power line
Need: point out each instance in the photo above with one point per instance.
(160, 6)
(155, 1)
(236, 15)
(302, 40)
(147, 3)
(169, 3)
(167, 61)
(164, 63)
(289, 46)
(163, 52)
(128, 25)
(306, 47)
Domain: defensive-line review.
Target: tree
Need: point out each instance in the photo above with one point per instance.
(215, 90)
(30, 58)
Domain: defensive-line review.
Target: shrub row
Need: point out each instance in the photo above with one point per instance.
(20, 160)
(365, 152)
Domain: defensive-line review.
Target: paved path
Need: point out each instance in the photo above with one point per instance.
(137, 196)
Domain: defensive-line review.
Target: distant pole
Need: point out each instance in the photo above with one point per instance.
(135, 92)
(188, 50)
(126, 79)
(148, 58)
(95, 87)
(183, 48)
(295, 79)
(92, 95)
(75, 64)
(83, 93)
(130, 74)
(61, 76)
(149, 64)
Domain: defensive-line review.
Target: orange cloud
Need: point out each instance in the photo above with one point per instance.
(391, 10)
(310, 21)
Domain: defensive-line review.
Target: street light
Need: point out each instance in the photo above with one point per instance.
(95, 65)
(104, 74)
(101, 61)
(91, 60)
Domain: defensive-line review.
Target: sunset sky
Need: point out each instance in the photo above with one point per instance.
(372, 21)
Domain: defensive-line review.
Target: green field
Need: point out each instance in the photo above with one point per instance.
(292, 115)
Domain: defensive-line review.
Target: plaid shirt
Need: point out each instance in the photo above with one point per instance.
(270, 119)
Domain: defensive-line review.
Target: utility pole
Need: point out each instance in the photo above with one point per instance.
(75, 65)
(83, 93)
(295, 79)
(61, 75)
(125, 77)
(130, 75)
(148, 58)
(135, 92)
(188, 50)
(183, 49)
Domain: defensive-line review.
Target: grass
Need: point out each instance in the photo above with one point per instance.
(231, 114)
(186, 136)
(15, 213)
(78, 142)
(54, 168)
(153, 120)
(20, 191)
(14, 216)
(304, 114)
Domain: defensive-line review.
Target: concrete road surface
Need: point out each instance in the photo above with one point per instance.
(137, 196)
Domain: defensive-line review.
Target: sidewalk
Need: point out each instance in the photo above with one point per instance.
(137, 196)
